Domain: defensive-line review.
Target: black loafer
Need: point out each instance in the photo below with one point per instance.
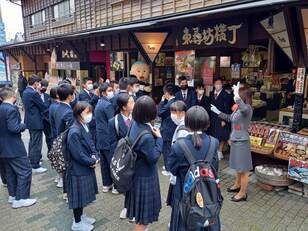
(239, 199)
(230, 189)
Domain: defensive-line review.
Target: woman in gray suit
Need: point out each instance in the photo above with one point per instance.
(240, 154)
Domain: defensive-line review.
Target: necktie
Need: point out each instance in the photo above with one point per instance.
(215, 95)
(127, 122)
(184, 96)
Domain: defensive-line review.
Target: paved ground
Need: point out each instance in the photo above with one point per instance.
(264, 211)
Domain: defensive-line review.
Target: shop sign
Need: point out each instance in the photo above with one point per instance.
(298, 170)
(67, 65)
(15, 66)
(231, 33)
(300, 80)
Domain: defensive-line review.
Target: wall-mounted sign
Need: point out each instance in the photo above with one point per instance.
(66, 54)
(300, 80)
(185, 65)
(15, 66)
(229, 33)
(68, 65)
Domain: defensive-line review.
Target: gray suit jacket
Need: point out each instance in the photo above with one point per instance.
(240, 120)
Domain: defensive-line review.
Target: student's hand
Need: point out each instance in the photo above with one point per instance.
(96, 92)
(223, 123)
(94, 165)
(156, 132)
(163, 98)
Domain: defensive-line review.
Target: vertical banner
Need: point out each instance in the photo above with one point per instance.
(185, 65)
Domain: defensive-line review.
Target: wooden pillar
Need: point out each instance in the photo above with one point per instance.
(271, 56)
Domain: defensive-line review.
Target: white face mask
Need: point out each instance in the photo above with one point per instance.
(110, 95)
(175, 119)
(90, 87)
(116, 91)
(87, 119)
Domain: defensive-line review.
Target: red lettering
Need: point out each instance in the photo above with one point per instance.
(204, 172)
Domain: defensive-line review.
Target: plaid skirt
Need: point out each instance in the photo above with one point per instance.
(82, 190)
(143, 201)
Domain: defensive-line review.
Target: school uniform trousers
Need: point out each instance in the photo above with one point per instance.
(2, 171)
(167, 127)
(51, 116)
(13, 152)
(34, 109)
(46, 122)
(81, 179)
(63, 118)
(143, 200)
(104, 111)
(179, 166)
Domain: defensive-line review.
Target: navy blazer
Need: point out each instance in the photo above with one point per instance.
(191, 98)
(63, 118)
(205, 103)
(167, 126)
(179, 165)
(148, 150)
(34, 109)
(80, 149)
(47, 103)
(88, 97)
(52, 111)
(11, 144)
(104, 111)
(114, 137)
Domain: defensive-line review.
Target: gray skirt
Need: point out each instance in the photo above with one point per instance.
(240, 156)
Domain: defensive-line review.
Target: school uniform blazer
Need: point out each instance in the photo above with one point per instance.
(47, 104)
(52, 110)
(148, 150)
(205, 103)
(88, 97)
(114, 137)
(167, 125)
(11, 144)
(104, 111)
(34, 109)
(63, 118)
(179, 165)
(240, 120)
(80, 148)
(191, 98)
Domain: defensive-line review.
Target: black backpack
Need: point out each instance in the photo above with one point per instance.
(202, 201)
(122, 165)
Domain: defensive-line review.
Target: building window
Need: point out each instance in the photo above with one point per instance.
(64, 9)
(38, 18)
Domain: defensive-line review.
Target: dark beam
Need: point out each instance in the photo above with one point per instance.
(27, 54)
(13, 56)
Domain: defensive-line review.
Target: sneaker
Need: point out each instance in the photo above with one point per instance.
(106, 188)
(57, 178)
(114, 191)
(81, 226)
(164, 168)
(39, 170)
(11, 200)
(132, 220)
(23, 203)
(60, 183)
(87, 220)
(220, 155)
(165, 173)
(123, 213)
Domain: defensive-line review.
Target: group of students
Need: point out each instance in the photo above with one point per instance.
(97, 118)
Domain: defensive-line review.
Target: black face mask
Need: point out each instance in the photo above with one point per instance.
(184, 87)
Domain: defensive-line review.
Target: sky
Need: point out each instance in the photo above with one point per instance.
(12, 17)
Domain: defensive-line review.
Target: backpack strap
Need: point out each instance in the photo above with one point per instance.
(144, 132)
(210, 152)
(187, 153)
(116, 124)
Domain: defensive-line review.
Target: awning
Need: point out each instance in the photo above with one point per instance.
(234, 6)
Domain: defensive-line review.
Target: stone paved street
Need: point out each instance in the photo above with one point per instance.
(264, 211)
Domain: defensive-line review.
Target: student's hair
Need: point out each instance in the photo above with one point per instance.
(122, 100)
(144, 110)
(113, 82)
(123, 83)
(182, 78)
(85, 80)
(33, 79)
(79, 108)
(178, 106)
(6, 93)
(65, 90)
(218, 79)
(65, 81)
(246, 95)
(197, 119)
(132, 80)
(54, 93)
(44, 83)
(103, 87)
(95, 85)
(169, 88)
(199, 83)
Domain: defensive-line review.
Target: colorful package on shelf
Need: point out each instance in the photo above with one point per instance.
(292, 145)
(298, 170)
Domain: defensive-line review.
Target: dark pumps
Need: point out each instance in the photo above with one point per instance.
(233, 190)
(239, 199)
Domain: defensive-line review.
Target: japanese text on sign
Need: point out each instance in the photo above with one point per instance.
(300, 80)
(211, 35)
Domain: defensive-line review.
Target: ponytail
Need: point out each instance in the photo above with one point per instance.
(197, 141)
